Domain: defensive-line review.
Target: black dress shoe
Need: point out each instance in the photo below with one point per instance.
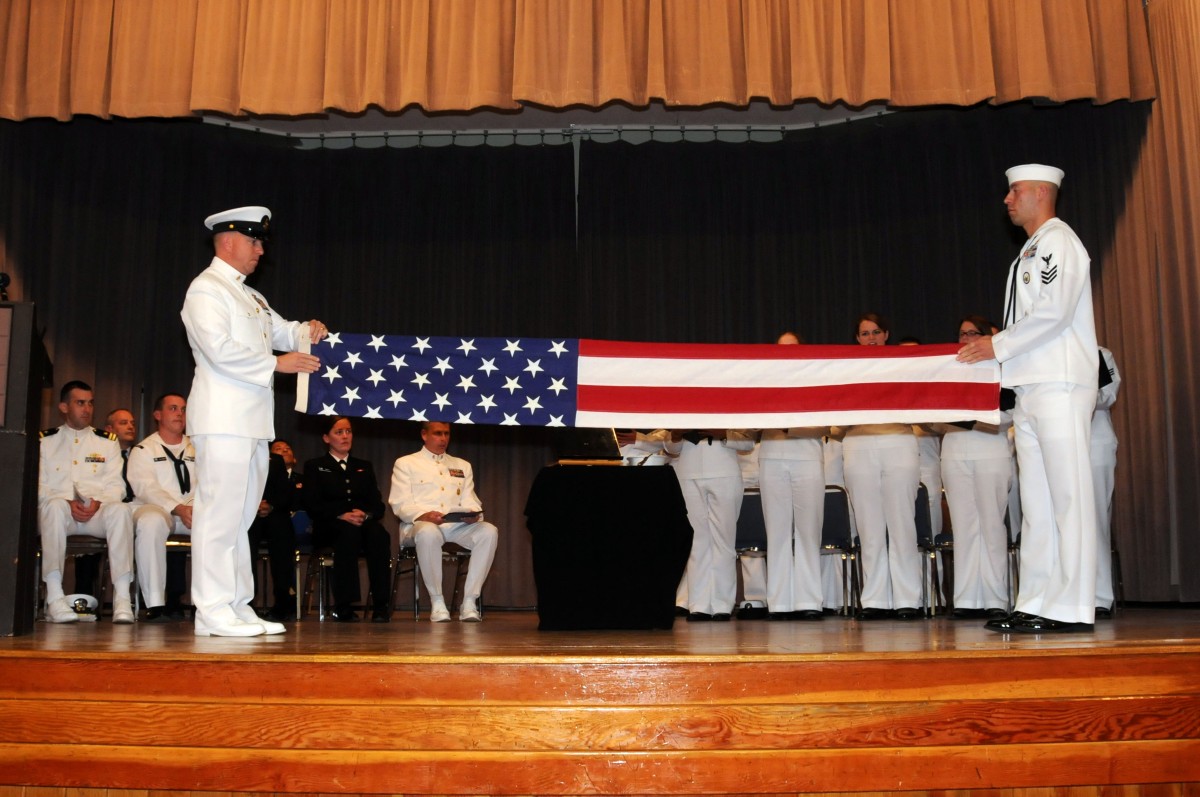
(871, 613)
(780, 616)
(379, 615)
(971, 614)
(157, 614)
(1002, 624)
(808, 615)
(278, 615)
(345, 615)
(698, 617)
(752, 613)
(995, 613)
(722, 617)
(909, 613)
(1032, 624)
(1103, 614)
(1022, 623)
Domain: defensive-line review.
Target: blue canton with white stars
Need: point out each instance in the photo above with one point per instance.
(504, 381)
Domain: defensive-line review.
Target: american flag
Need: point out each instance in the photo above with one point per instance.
(595, 383)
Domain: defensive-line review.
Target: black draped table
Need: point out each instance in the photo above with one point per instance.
(610, 545)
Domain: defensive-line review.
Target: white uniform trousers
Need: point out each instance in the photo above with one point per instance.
(977, 494)
(1058, 507)
(231, 472)
(793, 503)
(1104, 467)
(151, 527)
(479, 538)
(712, 505)
(112, 523)
(929, 453)
(882, 476)
(831, 566)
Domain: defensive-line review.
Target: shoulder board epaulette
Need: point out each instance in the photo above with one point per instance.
(139, 445)
(47, 432)
(105, 435)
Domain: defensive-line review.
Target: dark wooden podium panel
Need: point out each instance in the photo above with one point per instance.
(23, 366)
(610, 545)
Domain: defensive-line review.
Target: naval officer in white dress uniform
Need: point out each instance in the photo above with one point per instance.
(234, 333)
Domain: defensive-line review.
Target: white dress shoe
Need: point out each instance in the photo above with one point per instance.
(234, 628)
(438, 612)
(59, 611)
(469, 612)
(122, 612)
(247, 615)
(271, 627)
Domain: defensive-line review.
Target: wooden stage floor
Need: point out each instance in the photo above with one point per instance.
(758, 707)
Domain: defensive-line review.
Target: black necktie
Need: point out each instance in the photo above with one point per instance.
(181, 471)
(125, 476)
(342, 462)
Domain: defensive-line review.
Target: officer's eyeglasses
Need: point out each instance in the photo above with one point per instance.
(969, 333)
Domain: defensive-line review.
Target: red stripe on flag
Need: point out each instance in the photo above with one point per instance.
(966, 396)
(755, 351)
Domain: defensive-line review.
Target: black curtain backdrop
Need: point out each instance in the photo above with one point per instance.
(902, 215)
(101, 226)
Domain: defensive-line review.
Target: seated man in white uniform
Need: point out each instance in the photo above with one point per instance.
(433, 495)
(162, 472)
(79, 492)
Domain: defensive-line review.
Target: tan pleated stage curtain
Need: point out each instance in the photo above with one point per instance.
(134, 58)
(1146, 300)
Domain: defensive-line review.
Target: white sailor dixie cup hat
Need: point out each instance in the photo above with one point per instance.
(1035, 171)
(252, 220)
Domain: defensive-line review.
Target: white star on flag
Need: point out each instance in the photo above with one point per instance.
(377, 343)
